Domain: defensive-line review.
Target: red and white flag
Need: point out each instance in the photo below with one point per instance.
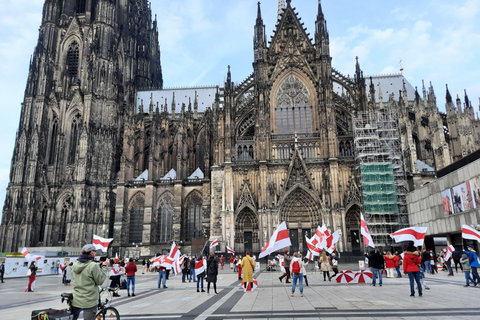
(331, 240)
(230, 250)
(101, 243)
(367, 238)
(470, 233)
(310, 255)
(175, 255)
(281, 262)
(162, 261)
(214, 243)
(415, 234)
(30, 257)
(449, 252)
(312, 248)
(199, 267)
(279, 240)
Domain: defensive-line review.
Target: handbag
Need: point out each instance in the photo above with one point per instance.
(29, 272)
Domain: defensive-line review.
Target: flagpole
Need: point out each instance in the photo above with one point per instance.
(201, 253)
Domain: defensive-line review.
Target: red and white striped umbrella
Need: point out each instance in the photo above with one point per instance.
(363, 276)
(344, 276)
(249, 285)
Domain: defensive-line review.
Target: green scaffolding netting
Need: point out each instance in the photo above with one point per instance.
(379, 188)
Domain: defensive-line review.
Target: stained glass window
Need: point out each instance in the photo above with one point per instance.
(136, 220)
(164, 219)
(293, 107)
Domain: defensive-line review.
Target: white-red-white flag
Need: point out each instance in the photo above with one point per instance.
(230, 250)
(101, 243)
(279, 240)
(214, 243)
(367, 238)
(310, 255)
(199, 267)
(30, 257)
(116, 270)
(470, 233)
(449, 252)
(281, 262)
(175, 255)
(415, 234)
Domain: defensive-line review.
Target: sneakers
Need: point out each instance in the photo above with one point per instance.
(288, 281)
(412, 295)
(372, 285)
(301, 294)
(128, 294)
(133, 294)
(198, 290)
(165, 287)
(427, 288)
(464, 286)
(280, 279)
(291, 295)
(203, 290)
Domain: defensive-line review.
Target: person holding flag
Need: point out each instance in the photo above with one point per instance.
(473, 259)
(411, 263)
(31, 276)
(286, 264)
(200, 266)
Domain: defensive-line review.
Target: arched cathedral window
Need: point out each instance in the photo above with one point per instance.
(74, 136)
(72, 61)
(80, 6)
(164, 219)
(53, 141)
(293, 108)
(193, 215)
(136, 220)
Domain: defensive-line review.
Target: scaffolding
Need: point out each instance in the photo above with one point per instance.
(379, 158)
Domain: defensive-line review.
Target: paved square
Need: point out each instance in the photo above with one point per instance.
(447, 299)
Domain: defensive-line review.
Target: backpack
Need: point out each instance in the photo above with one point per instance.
(296, 267)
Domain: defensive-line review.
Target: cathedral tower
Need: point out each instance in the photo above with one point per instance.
(90, 58)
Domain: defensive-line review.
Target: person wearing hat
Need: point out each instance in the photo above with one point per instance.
(87, 276)
(286, 263)
(473, 259)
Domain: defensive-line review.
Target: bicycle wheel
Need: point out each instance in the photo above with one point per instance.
(108, 313)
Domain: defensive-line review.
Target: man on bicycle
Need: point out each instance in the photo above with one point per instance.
(87, 276)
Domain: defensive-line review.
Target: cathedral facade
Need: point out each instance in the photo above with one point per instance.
(97, 153)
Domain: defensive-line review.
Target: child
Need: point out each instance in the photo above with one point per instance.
(422, 279)
(466, 268)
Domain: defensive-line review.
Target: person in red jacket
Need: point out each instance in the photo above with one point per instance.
(389, 264)
(396, 261)
(411, 262)
(130, 270)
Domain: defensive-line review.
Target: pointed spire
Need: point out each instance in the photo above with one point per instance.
(417, 96)
(195, 106)
(380, 95)
(288, 3)
(459, 104)
(358, 71)
(281, 7)
(448, 97)
(320, 15)
(467, 101)
(259, 14)
(173, 105)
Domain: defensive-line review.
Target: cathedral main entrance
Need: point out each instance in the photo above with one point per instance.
(302, 215)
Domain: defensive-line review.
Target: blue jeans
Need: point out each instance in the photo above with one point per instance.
(162, 277)
(398, 271)
(428, 267)
(184, 276)
(200, 279)
(415, 277)
(130, 279)
(375, 272)
(192, 275)
(299, 277)
(475, 276)
(468, 278)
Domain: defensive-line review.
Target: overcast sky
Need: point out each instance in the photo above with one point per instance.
(436, 40)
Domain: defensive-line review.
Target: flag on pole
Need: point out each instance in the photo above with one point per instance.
(175, 255)
(280, 239)
(470, 233)
(415, 234)
(101, 243)
(331, 240)
(30, 257)
(312, 249)
(367, 238)
(162, 261)
(230, 250)
(310, 255)
(214, 243)
(281, 262)
(449, 252)
(199, 267)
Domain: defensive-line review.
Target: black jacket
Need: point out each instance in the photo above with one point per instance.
(212, 270)
(375, 260)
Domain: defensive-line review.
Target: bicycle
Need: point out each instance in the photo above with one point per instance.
(105, 310)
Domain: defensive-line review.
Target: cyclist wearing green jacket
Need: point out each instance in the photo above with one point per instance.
(88, 274)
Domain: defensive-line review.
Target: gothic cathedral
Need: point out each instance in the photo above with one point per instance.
(103, 149)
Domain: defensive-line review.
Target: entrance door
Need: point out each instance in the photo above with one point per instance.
(294, 240)
(247, 244)
(304, 247)
(355, 241)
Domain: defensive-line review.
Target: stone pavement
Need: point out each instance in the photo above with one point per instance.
(447, 299)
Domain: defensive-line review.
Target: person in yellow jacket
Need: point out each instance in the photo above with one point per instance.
(247, 267)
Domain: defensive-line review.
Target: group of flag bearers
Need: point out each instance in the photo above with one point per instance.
(322, 240)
